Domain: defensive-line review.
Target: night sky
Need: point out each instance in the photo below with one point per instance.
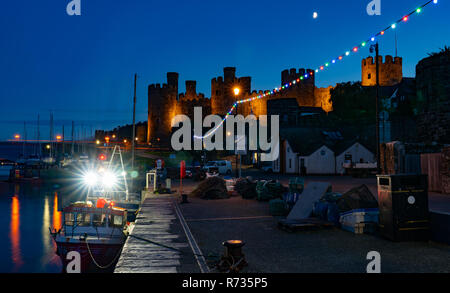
(82, 67)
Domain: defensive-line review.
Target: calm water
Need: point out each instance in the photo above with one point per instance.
(27, 211)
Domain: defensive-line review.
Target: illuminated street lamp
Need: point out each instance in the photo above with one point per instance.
(97, 142)
(17, 136)
(47, 146)
(58, 137)
(107, 139)
(113, 136)
(125, 141)
(236, 91)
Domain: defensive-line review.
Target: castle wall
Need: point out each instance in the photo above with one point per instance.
(323, 98)
(222, 90)
(188, 101)
(390, 71)
(162, 107)
(165, 102)
(433, 89)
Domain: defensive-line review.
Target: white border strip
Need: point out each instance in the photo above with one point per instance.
(194, 246)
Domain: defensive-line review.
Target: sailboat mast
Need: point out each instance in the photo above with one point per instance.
(39, 136)
(51, 135)
(63, 140)
(73, 138)
(24, 138)
(133, 136)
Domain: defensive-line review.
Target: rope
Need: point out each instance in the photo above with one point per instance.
(95, 262)
(168, 247)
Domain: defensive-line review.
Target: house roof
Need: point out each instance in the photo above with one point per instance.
(306, 140)
(341, 147)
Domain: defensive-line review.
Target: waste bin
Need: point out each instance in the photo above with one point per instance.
(403, 206)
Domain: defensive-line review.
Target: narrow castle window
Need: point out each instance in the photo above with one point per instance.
(369, 76)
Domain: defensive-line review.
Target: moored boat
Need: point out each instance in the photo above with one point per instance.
(97, 233)
(6, 167)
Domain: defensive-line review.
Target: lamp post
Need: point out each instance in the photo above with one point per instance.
(375, 48)
(236, 91)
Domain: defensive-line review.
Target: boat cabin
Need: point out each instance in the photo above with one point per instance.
(83, 217)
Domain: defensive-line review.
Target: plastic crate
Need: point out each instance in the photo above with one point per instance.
(361, 228)
(354, 217)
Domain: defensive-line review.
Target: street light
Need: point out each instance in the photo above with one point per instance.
(97, 142)
(17, 136)
(58, 137)
(236, 91)
(47, 146)
(375, 48)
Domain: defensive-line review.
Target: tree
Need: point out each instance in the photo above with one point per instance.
(354, 103)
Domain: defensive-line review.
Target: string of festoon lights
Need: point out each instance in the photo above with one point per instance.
(336, 60)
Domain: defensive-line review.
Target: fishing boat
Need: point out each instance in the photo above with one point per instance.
(6, 167)
(97, 232)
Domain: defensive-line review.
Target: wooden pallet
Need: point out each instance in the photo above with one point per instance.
(310, 224)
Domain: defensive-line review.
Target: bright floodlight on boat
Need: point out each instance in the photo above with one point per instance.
(109, 179)
(90, 178)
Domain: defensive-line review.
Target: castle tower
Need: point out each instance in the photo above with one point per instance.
(162, 107)
(191, 89)
(390, 72)
(222, 90)
(303, 91)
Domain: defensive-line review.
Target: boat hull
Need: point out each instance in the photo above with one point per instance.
(105, 255)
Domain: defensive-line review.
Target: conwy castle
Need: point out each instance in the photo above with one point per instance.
(165, 101)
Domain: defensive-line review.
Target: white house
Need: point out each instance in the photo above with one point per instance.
(307, 151)
(321, 161)
(296, 153)
(287, 161)
(356, 152)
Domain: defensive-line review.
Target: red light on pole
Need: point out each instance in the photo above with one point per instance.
(102, 157)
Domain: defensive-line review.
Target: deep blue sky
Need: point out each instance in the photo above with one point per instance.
(81, 67)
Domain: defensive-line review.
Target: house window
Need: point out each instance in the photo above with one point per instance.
(288, 149)
(290, 163)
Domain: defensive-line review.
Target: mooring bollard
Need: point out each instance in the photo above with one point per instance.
(233, 259)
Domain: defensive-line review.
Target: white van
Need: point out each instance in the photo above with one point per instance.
(224, 167)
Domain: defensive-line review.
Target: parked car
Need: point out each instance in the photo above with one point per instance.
(267, 167)
(223, 167)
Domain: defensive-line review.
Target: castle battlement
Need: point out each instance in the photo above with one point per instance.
(288, 75)
(165, 102)
(388, 59)
(390, 71)
(158, 86)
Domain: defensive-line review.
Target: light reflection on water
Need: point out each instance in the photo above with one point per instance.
(30, 210)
